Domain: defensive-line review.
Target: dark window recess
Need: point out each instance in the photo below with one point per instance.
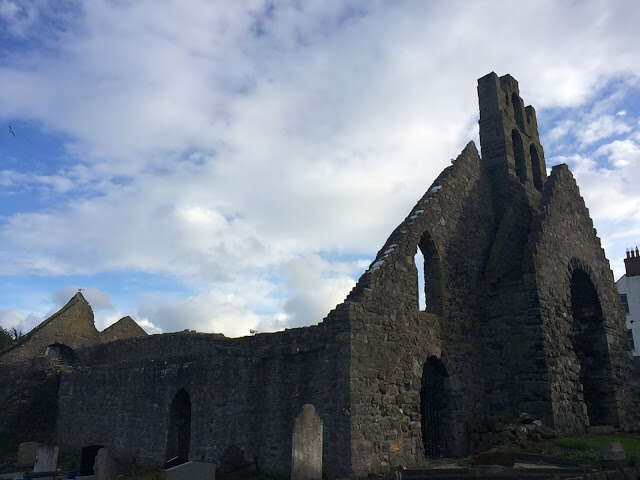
(630, 337)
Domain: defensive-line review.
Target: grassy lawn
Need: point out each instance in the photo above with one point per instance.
(590, 446)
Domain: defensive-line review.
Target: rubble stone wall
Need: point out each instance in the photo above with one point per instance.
(563, 241)
(391, 340)
(244, 392)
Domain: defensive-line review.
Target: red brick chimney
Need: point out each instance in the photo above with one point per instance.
(632, 262)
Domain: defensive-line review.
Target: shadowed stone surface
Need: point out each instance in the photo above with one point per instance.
(27, 454)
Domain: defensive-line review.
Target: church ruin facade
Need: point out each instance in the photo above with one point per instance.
(521, 315)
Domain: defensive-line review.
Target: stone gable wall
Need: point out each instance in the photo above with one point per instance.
(564, 239)
(391, 339)
(72, 326)
(126, 327)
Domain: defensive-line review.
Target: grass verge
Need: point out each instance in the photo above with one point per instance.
(590, 446)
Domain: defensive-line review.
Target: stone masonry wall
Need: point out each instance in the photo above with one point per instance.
(73, 326)
(28, 402)
(513, 334)
(126, 327)
(564, 239)
(244, 392)
(391, 339)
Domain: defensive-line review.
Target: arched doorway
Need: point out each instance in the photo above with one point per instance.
(179, 431)
(436, 407)
(591, 349)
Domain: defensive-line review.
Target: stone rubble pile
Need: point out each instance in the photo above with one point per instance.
(494, 431)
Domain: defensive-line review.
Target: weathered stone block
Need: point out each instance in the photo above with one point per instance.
(105, 466)
(612, 451)
(27, 454)
(306, 463)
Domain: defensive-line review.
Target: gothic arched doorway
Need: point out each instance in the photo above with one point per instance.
(179, 431)
(436, 407)
(591, 348)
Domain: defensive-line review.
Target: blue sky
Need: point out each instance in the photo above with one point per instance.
(222, 166)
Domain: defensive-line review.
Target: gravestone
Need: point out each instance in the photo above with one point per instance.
(306, 461)
(46, 458)
(612, 451)
(105, 466)
(26, 454)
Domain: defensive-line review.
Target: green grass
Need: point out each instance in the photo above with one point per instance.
(590, 446)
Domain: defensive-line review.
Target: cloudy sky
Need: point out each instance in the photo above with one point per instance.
(226, 165)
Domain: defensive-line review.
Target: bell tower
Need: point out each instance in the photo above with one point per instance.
(509, 140)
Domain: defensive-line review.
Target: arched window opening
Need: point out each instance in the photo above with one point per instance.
(590, 346)
(61, 353)
(179, 431)
(419, 260)
(517, 110)
(536, 167)
(436, 407)
(430, 289)
(519, 156)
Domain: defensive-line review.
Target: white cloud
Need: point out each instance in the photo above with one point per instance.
(622, 154)
(314, 284)
(229, 145)
(213, 311)
(98, 299)
(601, 128)
(10, 317)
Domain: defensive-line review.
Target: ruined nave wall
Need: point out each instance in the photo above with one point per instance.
(243, 392)
(392, 340)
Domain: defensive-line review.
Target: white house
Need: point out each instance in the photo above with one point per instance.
(629, 289)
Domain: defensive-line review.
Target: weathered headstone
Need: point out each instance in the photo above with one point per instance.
(105, 467)
(612, 455)
(46, 458)
(306, 461)
(26, 454)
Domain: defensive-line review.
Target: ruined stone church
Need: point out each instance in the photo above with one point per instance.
(522, 315)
